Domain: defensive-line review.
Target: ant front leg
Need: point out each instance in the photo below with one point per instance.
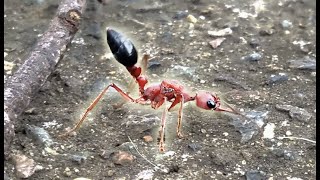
(162, 127)
(94, 103)
(179, 134)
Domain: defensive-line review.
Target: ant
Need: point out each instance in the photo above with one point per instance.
(155, 95)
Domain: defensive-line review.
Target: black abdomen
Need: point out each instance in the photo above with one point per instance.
(122, 48)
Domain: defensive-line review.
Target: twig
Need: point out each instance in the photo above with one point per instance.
(21, 87)
(135, 147)
(292, 137)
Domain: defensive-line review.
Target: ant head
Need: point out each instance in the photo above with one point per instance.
(206, 100)
(209, 101)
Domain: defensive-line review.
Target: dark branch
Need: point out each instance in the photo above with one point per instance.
(41, 62)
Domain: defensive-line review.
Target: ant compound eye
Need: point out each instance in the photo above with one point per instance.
(211, 104)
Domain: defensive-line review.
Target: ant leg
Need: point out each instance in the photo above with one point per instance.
(144, 62)
(179, 99)
(122, 102)
(142, 101)
(162, 128)
(93, 104)
(179, 134)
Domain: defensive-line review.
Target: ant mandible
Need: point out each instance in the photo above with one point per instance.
(157, 94)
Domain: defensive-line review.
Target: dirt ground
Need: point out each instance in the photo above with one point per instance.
(265, 64)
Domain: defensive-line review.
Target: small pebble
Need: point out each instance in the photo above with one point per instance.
(105, 154)
(60, 90)
(306, 49)
(300, 115)
(269, 131)
(288, 133)
(78, 158)
(149, 34)
(8, 66)
(222, 32)
(31, 111)
(146, 174)
(253, 57)
(67, 172)
(216, 43)
(191, 27)
(110, 173)
(254, 43)
(293, 178)
(8, 72)
(276, 79)
(286, 24)
(147, 138)
(243, 40)
(284, 107)
(24, 166)
(295, 112)
(252, 127)
(255, 175)
(192, 19)
(202, 17)
(278, 152)
(206, 54)
(289, 155)
(122, 158)
(203, 131)
(225, 134)
(313, 74)
(244, 15)
(51, 151)
(266, 32)
(194, 146)
(305, 63)
(285, 123)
